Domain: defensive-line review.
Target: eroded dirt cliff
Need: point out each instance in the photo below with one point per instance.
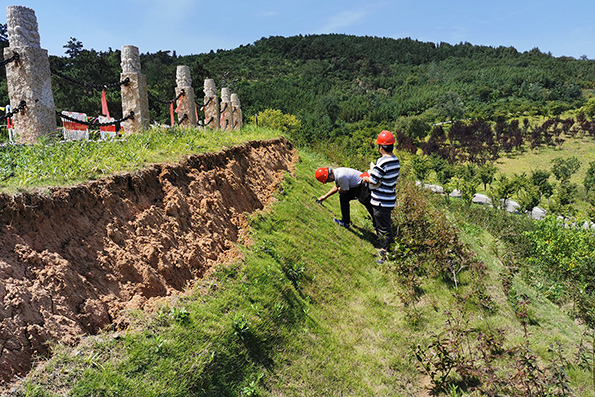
(72, 259)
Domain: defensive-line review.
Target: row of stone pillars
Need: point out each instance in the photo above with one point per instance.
(29, 80)
(228, 115)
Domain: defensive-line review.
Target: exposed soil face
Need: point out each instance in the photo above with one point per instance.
(73, 259)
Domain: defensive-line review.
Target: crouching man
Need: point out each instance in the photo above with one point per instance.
(350, 185)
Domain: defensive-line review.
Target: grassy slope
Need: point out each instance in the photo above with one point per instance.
(305, 313)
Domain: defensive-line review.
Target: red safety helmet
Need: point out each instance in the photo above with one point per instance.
(385, 138)
(322, 174)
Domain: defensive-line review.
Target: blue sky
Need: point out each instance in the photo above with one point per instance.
(564, 28)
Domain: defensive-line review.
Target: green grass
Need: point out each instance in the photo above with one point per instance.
(67, 163)
(306, 312)
(541, 159)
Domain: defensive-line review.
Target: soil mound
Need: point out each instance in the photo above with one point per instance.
(72, 259)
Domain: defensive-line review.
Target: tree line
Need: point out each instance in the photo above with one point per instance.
(330, 81)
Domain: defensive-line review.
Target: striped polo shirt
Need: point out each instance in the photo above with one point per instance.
(386, 171)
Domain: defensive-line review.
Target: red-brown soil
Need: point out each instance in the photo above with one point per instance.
(71, 259)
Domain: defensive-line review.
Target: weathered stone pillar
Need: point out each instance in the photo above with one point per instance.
(29, 77)
(211, 104)
(225, 120)
(236, 112)
(185, 104)
(135, 97)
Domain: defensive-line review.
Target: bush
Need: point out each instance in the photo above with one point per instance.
(425, 232)
(275, 119)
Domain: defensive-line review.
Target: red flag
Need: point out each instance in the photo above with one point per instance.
(179, 103)
(104, 109)
(171, 112)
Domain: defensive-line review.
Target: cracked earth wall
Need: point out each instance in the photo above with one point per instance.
(71, 259)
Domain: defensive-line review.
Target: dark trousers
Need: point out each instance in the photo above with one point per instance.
(383, 226)
(346, 197)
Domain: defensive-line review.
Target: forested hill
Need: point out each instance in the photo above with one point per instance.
(350, 79)
(332, 81)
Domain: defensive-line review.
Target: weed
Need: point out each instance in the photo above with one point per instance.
(520, 304)
(180, 315)
(159, 343)
(241, 325)
(251, 390)
(295, 272)
(558, 380)
(454, 391)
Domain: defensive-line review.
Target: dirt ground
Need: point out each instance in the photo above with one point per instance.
(71, 259)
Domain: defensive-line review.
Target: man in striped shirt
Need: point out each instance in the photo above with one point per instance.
(384, 176)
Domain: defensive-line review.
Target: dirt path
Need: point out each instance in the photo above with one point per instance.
(71, 260)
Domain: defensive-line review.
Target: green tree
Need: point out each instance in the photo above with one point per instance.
(565, 199)
(564, 168)
(503, 190)
(415, 128)
(330, 106)
(589, 180)
(451, 106)
(422, 166)
(446, 173)
(529, 197)
(73, 47)
(467, 181)
(520, 182)
(589, 107)
(540, 178)
(486, 174)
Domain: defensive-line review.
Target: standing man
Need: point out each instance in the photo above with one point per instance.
(349, 184)
(385, 173)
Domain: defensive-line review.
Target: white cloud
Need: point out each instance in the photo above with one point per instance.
(267, 14)
(342, 20)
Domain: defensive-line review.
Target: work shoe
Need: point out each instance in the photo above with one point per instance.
(341, 223)
(383, 256)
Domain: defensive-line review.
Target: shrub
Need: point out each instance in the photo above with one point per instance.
(275, 119)
(425, 231)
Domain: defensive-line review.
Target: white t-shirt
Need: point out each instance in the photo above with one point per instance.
(347, 178)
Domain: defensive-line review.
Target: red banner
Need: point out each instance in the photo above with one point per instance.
(104, 108)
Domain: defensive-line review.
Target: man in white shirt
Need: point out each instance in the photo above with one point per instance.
(350, 185)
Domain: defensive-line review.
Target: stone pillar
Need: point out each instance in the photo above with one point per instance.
(211, 104)
(185, 104)
(236, 112)
(225, 120)
(135, 96)
(29, 77)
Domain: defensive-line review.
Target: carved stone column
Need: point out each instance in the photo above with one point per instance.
(185, 104)
(134, 95)
(226, 120)
(236, 112)
(211, 104)
(29, 77)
